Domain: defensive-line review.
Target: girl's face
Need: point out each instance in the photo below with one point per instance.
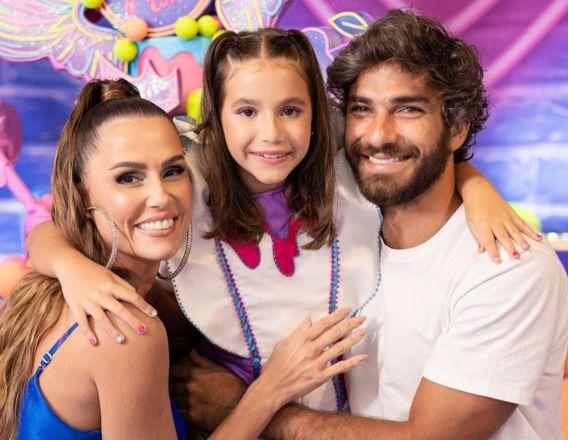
(139, 177)
(267, 118)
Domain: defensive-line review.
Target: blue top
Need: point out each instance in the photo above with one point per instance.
(39, 422)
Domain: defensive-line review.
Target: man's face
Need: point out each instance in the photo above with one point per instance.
(395, 137)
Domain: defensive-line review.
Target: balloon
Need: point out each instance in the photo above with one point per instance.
(12, 269)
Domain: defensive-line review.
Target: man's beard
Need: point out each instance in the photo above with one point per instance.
(389, 190)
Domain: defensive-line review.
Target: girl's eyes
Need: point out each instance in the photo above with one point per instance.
(291, 111)
(247, 112)
(132, 178)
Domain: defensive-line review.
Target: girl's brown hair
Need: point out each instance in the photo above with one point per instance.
(37, 302)
(310, 186)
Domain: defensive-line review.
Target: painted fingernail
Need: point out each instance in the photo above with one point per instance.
(516, 254)
(153, 313)
(120, 339)
(497, 260)
(93, 341)
(525, 246)
(538, 237)
(141, 330)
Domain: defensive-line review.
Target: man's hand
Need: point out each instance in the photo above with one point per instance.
(204, 391)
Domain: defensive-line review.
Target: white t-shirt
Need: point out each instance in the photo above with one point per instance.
(449, 314)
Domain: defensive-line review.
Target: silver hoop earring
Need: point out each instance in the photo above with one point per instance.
(188, 244)
(113, 235)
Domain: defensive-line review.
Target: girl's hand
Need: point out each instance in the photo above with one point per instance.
(92, 290)
(301, 362)
(491, 219)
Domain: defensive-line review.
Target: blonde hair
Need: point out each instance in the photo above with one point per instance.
(37, 302)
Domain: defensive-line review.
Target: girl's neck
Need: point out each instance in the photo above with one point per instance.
(273, 205)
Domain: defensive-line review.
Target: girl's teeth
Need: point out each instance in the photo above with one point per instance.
(157, 225)
(384, 161)
(271, 156)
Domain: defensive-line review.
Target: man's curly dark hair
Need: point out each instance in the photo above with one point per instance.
(420, 46)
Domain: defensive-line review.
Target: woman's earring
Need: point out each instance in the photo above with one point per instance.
(188, 244)
(113, 234)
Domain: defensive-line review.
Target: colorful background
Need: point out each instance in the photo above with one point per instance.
(49, 48)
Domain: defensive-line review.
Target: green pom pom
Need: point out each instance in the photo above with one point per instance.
(207, 25)
(194, 104)
(125, 50)
(92, 4)
(186, 28)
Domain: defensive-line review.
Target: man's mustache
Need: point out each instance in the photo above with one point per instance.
(391, 149)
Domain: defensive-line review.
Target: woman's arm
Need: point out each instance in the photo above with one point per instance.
(132, 383)
(490, 218)
(88, 288)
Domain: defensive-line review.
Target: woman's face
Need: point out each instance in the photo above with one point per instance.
(139, 177)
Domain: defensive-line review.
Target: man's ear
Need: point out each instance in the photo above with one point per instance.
(458, 135)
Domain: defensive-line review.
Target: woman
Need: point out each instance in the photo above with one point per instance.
(121, 188)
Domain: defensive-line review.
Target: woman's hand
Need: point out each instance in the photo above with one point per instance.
(92, 290)
(302, 361)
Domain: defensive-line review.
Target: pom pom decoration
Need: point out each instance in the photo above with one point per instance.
(186, 28)
(194, 104)
(527, 215)
(207, 25)
(125, 50)
(136, 29)
(92, 4)
(216, 34)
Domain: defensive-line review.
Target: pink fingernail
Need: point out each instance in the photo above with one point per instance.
(538, 237)
(141, 330)
(516, 254)
(93, 341)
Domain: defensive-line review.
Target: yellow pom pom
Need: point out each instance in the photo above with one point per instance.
(194, 104)
(92, 4)
(125, 50)
(216, 34)
(527, 215)
(186, 28)
(207, 25)
(136, 29)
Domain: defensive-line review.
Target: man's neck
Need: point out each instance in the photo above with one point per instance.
(407, 226)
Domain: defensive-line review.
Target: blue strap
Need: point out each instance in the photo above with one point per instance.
(46, 358)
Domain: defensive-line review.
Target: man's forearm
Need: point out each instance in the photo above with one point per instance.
(295, 422)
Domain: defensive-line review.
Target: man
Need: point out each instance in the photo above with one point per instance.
(459, 347)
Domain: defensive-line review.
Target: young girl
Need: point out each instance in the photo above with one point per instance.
(281, 233)
(116, 195)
